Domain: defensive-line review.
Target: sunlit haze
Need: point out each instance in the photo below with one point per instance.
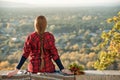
(67, 2)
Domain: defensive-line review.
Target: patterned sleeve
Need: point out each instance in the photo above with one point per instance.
(53, 49)
(27, 47)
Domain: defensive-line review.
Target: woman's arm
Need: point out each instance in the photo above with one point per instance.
(26, 52)
(14, 72)
(62, 69)
(59, 64)
(21, 62)
(55, 56)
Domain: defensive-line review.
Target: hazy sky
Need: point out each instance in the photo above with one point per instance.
(67, 2)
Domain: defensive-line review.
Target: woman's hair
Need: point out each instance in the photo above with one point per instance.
(40, 24)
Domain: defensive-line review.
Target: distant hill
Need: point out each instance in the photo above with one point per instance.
(13, 4)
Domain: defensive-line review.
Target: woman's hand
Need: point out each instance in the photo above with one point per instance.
(66, 71)
(12, 73)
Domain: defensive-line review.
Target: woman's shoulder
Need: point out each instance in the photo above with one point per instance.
(48, 35)
(31, 35)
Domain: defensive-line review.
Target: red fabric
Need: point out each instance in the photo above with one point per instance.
(32, 50)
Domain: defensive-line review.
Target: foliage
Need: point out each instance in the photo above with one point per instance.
(110, 46)
(77, 32)
(77, 69)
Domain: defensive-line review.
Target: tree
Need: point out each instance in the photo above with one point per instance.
(4, 64)
(110, 46)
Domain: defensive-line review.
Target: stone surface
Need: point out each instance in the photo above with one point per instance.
(89, 75)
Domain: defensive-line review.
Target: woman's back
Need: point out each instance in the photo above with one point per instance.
(33, 42)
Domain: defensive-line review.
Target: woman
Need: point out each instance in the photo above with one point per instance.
(40, 48)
